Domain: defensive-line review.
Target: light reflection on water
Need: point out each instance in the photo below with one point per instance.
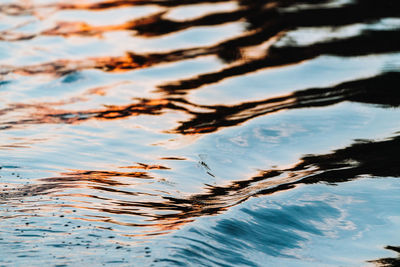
(239, 133)
(302, 227)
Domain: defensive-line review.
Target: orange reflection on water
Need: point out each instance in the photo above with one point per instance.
(144, 166)
(163, 213)
(110, 193)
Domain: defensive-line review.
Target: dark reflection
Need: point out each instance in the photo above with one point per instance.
(267, 21)
(365, 158)
(63, 67)
(140, 195)
(380, 90)
(367, 43)
(28, 9)
(156, 25)
(44, 113)
(389, 262)
(102, 177)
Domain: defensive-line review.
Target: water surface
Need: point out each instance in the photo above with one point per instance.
(199, 133)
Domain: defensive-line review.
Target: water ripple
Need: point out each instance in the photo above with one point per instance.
(215, 132)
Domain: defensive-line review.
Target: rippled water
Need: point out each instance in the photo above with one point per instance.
(199, 133)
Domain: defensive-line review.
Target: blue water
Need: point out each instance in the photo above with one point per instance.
(199, 133)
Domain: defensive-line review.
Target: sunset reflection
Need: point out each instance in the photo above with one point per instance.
(128, 125)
